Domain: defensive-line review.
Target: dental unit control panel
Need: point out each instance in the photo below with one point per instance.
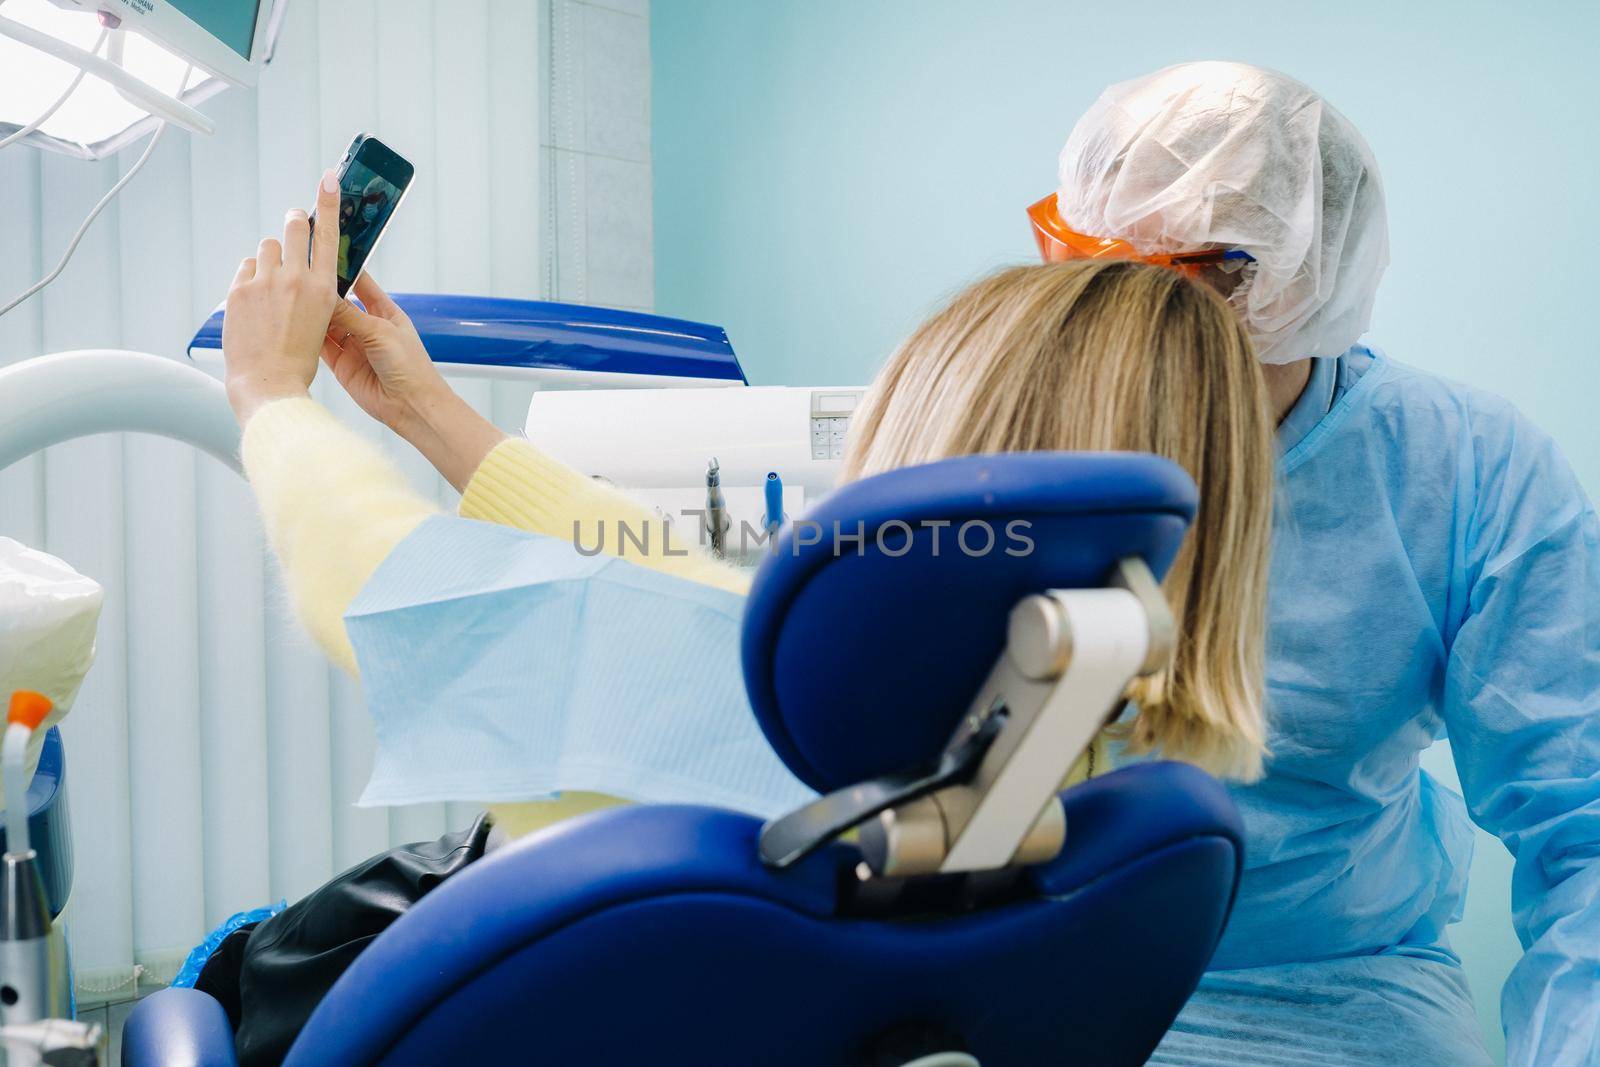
(830, 421)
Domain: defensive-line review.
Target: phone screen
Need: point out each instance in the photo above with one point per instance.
(371, 183)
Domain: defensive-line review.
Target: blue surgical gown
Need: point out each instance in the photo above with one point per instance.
(1436, 572)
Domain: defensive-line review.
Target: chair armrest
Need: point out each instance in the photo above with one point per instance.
(178, 1028)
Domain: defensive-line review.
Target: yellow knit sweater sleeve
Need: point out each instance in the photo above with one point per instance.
(334, 506)
(518, 485)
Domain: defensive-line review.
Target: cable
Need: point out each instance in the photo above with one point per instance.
(72, 245)
(62, 99)
(94, 213)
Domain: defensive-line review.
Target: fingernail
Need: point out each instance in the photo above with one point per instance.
(330, 181)
(296, 213)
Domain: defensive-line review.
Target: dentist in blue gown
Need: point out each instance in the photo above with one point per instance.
(1436, 573)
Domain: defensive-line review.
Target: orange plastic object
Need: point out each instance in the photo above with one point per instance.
(1058, 243)
(29, 708)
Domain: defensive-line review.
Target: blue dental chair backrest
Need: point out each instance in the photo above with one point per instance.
(860, 664)
(653, 934)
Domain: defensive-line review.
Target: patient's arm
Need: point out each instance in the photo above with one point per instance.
(519, 485)
(333, 505)
(379, 359)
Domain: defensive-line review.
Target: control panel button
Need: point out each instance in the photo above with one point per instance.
(830, 421)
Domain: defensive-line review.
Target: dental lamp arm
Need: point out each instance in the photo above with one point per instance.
(139, 92)
(56, 398)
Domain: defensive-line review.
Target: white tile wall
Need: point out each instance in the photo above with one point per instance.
(597, 153)
(567, 111)
(616, 79)
(617, 206)
(628, 7)
(570, 281)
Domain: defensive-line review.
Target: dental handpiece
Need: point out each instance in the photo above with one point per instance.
(716, 506)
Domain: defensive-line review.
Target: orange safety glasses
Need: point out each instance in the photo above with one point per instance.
(1058, 244)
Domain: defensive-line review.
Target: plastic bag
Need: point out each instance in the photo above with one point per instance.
(48, 616)
(195, 962)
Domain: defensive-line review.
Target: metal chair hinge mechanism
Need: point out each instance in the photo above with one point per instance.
(990, 801)
(791, 838)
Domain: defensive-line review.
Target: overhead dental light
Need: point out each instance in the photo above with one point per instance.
(87, 77)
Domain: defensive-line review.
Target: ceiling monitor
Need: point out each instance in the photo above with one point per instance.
(225, 38)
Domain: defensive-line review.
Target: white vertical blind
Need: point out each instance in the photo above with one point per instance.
(214, 755)
(161, 605)
(84, 523)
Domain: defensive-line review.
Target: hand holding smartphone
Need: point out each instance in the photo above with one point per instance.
(373, 179)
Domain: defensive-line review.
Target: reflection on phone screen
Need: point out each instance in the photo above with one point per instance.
(365, 202)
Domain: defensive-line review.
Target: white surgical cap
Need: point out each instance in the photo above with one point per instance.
(1206, 155)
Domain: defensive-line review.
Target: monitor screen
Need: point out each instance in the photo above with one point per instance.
(233, 22)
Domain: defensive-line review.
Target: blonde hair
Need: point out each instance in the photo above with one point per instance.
(1115, 355)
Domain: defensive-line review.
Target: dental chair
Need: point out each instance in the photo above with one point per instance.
(943, 902)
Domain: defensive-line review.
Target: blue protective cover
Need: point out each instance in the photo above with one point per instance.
(49, 822)
(489, 331)
(860, 664)
(653, 934)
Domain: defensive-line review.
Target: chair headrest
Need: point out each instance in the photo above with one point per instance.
(861, 655)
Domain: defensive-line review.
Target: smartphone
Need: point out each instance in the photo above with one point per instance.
(373, 179)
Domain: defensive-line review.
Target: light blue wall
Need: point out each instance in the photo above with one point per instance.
(827, 170)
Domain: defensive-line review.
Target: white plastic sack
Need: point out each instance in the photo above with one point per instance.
(48, 615)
